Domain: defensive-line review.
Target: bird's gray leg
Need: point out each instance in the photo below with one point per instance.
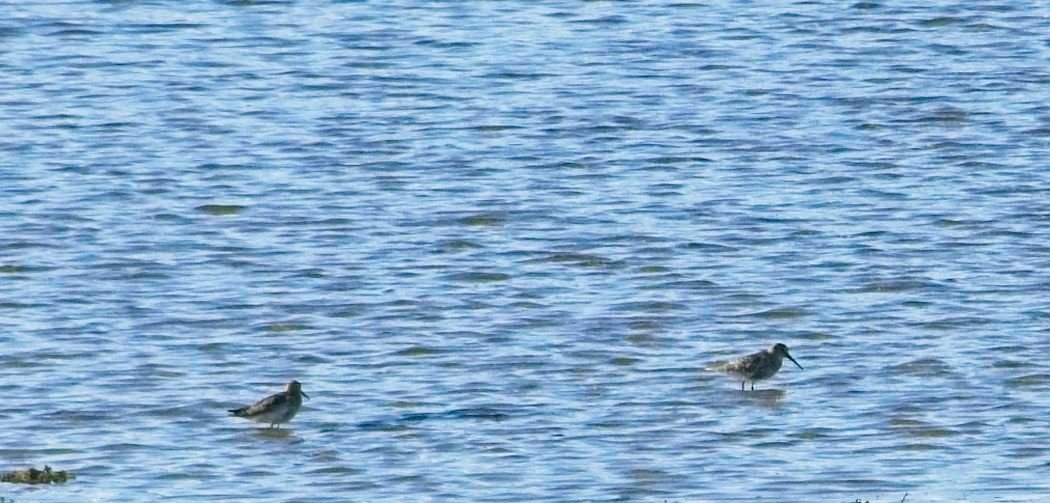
(742, 385)
(752, 385)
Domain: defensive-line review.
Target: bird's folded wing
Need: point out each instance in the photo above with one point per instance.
(266, 404)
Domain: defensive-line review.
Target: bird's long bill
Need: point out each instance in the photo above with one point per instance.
(308, 396)
(793, 361)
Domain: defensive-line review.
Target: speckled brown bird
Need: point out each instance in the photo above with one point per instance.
(275, 409)
(756, 366)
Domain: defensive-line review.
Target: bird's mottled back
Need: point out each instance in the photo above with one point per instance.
(746, 364)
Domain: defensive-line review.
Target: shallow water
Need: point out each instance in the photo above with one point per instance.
(498, 242)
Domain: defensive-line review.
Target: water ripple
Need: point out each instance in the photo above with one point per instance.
(499, 243)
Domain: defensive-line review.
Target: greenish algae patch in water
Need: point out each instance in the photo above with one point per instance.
(579, 259)
(479, 277)
(817, 336)
(286, 327)
(780, 314)
(458, 245)
(933, 433)
(1030, 380)
(417, 351)
(404, 404)
(483, 220)
(34, 476)
(220, 209)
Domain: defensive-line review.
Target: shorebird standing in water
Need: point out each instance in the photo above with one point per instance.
(757, 366)
(275, 409)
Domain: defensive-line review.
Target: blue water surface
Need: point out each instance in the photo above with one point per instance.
(500, 241)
